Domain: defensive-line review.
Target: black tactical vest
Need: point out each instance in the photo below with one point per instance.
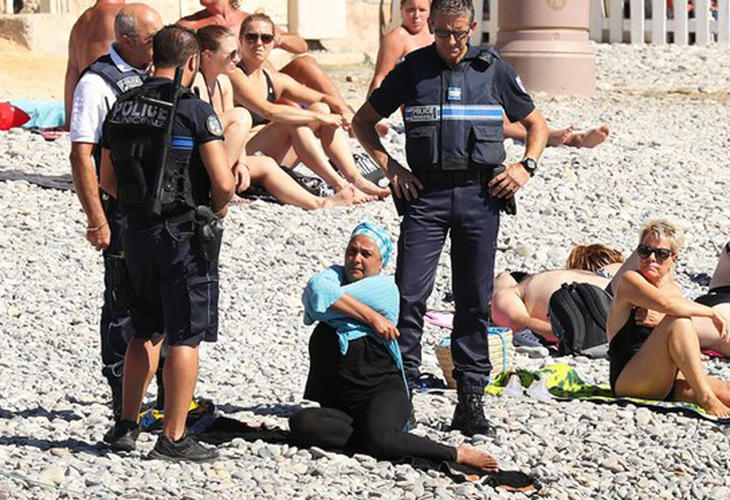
(136, 132)
(452, 119)
(119, 80)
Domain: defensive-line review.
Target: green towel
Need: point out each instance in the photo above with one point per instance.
(564, 383)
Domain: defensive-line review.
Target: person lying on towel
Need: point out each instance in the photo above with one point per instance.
(654, 349)
(356, 372)
(520, 300)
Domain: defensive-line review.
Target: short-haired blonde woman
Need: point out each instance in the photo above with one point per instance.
(657, 354)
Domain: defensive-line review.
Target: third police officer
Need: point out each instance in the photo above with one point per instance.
(454, 97)
(164, 161)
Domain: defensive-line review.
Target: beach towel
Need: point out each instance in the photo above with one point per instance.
(440, 318)
(564, 383)
(445, 319)
(314, 185)
(44, 113)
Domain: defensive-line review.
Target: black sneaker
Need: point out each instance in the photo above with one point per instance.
(186, 449)
(469, 416)
(123, 436)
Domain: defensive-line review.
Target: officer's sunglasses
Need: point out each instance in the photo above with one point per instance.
(254, 37)
(457, 34)
(660, 254)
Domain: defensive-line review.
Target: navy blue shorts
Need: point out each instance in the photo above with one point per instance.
(175, 290)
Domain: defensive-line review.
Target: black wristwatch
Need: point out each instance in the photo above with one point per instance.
(530, 165)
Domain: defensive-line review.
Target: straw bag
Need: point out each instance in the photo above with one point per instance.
(501, 353)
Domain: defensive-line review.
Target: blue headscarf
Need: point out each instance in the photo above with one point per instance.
(380, 237)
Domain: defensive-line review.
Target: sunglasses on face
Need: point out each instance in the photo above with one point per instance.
(660, 254)
(457, 34)
(254, 37)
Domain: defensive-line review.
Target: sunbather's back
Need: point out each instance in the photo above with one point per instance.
(536, 289)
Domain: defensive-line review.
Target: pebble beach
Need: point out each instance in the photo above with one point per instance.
(668, 109)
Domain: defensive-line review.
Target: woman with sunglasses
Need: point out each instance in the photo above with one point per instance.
(218, 56)
(414, 33)
(660, 358)
(279, 129)
(303, 68)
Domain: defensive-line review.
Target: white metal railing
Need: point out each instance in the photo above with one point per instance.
(641, 21)
(633, 21)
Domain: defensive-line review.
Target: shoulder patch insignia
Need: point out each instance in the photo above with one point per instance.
(213, 125)
(521, 85)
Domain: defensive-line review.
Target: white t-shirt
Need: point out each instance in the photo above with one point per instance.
(93, 98)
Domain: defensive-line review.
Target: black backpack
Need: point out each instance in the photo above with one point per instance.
(578, 314)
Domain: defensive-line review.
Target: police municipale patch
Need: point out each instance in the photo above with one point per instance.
(522, 85)
(213, 125)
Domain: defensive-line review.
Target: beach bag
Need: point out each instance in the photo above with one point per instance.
(578, 314)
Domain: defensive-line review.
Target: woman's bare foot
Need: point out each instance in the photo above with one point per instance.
(475, 458)
(558, 137)
(714, 406)
(342, 198)
(589, 139)
(361, 197)
(370, 188)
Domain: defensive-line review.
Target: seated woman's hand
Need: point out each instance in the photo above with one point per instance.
(242, 177)
(331, 120)
(648, 317)
(384, 328)
(721, 323)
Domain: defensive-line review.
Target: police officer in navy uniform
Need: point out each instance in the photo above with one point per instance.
(164, 161)
(452, 95)
(123, 68)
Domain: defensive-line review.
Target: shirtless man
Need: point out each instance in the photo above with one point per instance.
(90, 38)
(303, 69)
(413, 33)
(521, 300)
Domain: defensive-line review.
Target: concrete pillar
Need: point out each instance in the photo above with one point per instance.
(547, 42)
(8, 7)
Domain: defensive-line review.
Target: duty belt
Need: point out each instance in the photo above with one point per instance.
(151, 220)
(474, 175)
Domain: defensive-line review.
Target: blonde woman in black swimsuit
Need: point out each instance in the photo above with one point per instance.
(654, 349)
(219, 55)
(315, 135)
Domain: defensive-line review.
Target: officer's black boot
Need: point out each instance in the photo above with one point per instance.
(469, 416)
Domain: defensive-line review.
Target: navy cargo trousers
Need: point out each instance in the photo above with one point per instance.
(471, 216)
(115, 325)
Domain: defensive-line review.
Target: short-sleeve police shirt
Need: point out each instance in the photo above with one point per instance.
(508, 90)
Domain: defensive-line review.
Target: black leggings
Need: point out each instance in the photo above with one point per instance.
(377, 431)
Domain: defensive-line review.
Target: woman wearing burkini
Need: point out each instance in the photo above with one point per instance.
(654, 349)
(356, 373)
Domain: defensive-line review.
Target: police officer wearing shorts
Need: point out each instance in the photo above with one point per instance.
(164, 161)
(453, 97)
